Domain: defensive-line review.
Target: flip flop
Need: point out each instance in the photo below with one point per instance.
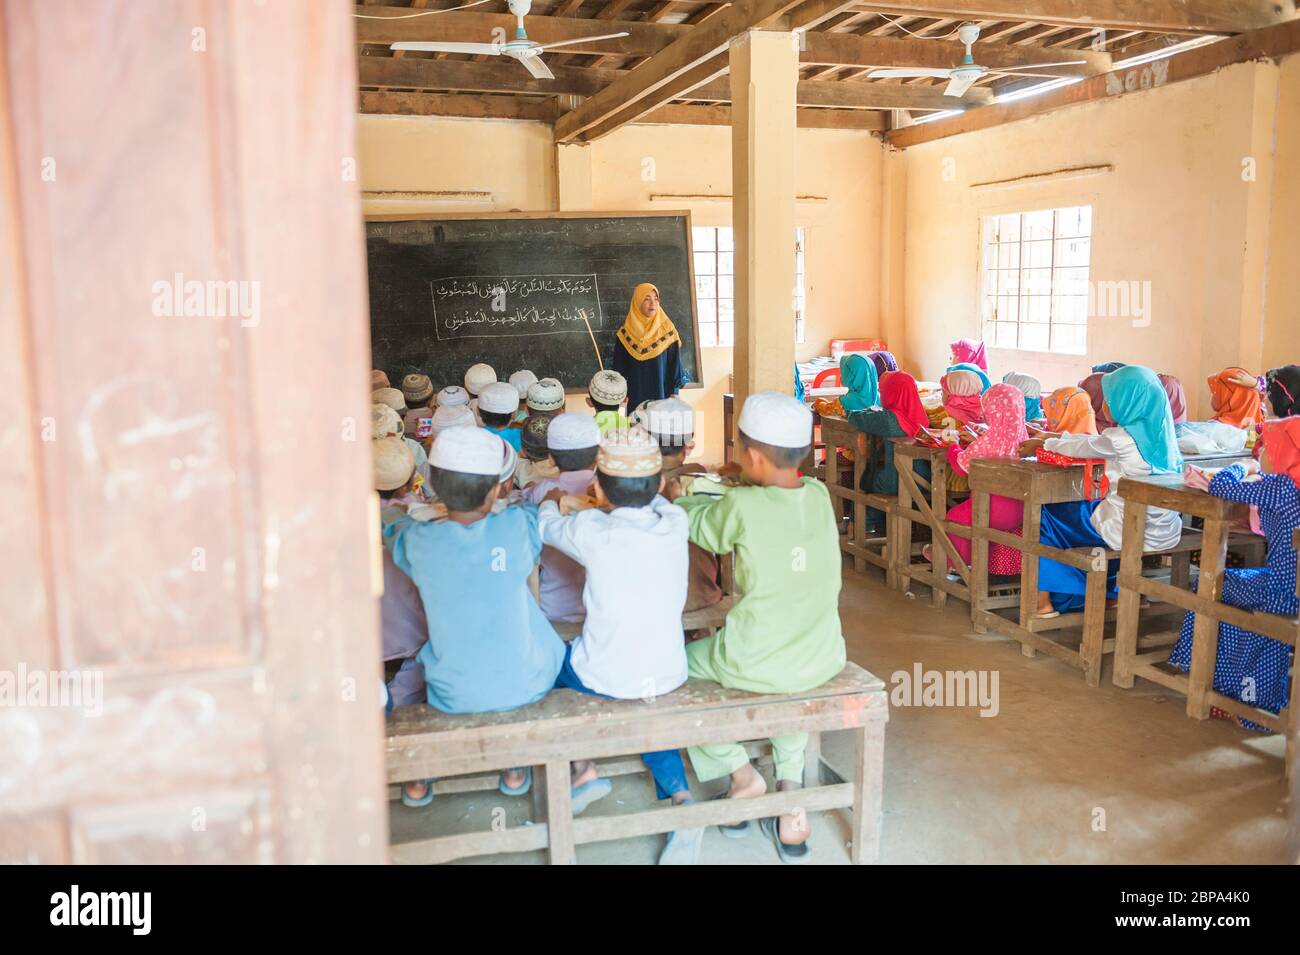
(519, 790)
(1047, 616)
(413, 803)
(734, 830)
(589, 792)
(791, 854)
(683, 845)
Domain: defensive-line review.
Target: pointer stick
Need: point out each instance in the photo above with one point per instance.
(583, 313)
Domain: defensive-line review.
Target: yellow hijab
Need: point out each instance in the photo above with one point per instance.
(644, 337)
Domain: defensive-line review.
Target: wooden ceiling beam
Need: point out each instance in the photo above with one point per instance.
(1165, 16)
(677, 114)
(648, 85)
(1269, 43)
(466, 105)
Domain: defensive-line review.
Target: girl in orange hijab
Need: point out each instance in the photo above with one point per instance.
(1234, 402)
(1070, 409)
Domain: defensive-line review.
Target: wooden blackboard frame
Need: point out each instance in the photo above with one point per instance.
(637, 214)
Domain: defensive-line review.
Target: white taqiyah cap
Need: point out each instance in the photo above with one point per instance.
(508, 463)
(523, 380)
(608, 387)
(777, 419)
(451, 396)
(389, 396)
(546, 395)
(572, 430)
(452, 416)
(384, 421)
(393, 462)
(498, 398)
(668, 416)
(479, 377)
(468, 451)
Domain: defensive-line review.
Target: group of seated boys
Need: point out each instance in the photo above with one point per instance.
(503, 512)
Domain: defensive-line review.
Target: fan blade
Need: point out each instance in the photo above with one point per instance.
(958, 85)
(537, 66)
(585, 39)
(1037, 66)
(910, 72)
(494, 48)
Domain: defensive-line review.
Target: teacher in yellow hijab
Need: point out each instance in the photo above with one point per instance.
(647, 349)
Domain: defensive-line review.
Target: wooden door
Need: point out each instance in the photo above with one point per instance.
(185, 496)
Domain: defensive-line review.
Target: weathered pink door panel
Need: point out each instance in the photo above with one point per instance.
(184, 422)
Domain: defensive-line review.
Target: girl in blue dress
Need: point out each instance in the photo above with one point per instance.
(1251, 667)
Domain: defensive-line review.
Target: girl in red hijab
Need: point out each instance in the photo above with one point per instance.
(1234, 402)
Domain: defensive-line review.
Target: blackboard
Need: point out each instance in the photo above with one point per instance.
(507, 289)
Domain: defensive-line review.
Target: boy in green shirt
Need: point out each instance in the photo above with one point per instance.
(783, 636)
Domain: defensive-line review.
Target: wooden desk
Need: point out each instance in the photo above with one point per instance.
(1168, 491)
(1035, 484)
(838, 433)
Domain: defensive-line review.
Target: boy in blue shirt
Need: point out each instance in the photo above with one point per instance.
(497, 404)
(490, 647)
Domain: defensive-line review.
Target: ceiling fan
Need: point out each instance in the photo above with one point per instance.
(528, 53)
(961, 77)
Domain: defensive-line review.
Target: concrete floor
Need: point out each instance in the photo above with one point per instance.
(1033, 784)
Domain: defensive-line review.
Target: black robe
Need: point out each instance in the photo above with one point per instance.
(652, 379)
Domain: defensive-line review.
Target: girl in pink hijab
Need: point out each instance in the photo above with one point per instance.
(1004, 409)
(1092, 385)
(1177, 398)
(961, 397)
(969, 350)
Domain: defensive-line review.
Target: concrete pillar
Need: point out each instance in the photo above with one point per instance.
(572, 178)
(764, 71)
(893, 236)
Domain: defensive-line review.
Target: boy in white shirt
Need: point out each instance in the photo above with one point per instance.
(632, 645)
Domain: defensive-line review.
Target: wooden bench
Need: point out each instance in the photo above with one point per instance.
(1219, 514)
(424, 743)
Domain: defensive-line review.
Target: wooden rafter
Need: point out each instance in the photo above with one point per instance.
(1271, 42)
(1167, 16)
(657, 81)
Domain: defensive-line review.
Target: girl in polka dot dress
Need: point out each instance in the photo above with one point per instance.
(1250, 667)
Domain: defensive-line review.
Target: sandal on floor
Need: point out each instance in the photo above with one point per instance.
(519, 790)
(792, 854)
(589, 792)
(412, 802)
(733, 830)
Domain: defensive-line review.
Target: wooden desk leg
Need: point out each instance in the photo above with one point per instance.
(868, 789)
(859, 535)
(1029, 566)
(1292, 735)
(812, 761)
(939, 507)
(559, 813)
(903, 535)
(979, 575)
(1205, 635)
(1130, 564)
(1094, 625)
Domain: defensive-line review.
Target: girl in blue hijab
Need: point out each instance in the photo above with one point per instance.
(858, 374)
(1141, 445)
(985, 383)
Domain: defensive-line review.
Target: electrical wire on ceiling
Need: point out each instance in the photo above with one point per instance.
(893, 22)
(422, 13)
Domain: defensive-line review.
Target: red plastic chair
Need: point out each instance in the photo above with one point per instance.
(826, 376)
